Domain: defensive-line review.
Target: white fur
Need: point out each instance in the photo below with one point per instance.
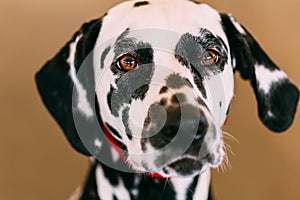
(202, 189)
(120, 191)
(181, 185)
(265, 78)
(115, 155)
(98, 143)
(82, 103)
(104, 189)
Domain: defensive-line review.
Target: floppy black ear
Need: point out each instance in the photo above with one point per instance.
(57, 79)
(276, 95)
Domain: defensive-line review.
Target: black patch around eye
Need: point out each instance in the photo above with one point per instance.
(140, 93)
(134, 84)
(144, 53)
(141, 3)
(190, 48)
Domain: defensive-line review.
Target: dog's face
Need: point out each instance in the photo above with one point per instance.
(149, 90)
(162, 74)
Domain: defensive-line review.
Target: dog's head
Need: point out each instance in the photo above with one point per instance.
(159, 76)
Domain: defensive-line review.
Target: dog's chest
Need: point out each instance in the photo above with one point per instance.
(109, 184)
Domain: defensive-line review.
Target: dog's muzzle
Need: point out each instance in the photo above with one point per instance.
(185, 135)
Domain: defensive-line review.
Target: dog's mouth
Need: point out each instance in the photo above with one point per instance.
(185, 166)
(190, 165)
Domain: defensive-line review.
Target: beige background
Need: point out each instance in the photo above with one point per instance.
(36, 162)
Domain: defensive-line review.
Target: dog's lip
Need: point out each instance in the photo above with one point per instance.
(190, 164)
(185, 159)
(186, 165)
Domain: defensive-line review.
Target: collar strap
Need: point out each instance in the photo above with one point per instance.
(116, 146)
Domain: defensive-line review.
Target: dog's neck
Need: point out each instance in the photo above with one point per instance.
(109, 184)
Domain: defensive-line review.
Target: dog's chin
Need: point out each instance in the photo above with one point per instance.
(190, 166)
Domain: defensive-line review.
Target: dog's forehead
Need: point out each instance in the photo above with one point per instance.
(179, 16)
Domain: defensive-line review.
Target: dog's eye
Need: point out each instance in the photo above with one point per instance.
(209, 57)
(127, 62)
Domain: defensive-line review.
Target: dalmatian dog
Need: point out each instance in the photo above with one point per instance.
(145, 90)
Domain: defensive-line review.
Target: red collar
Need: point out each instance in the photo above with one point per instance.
(117, 147)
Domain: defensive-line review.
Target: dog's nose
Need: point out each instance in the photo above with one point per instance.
(189, 119)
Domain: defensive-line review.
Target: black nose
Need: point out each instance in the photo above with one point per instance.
(189, 119)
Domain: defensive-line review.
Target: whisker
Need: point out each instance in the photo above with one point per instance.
(166, 182)
(230, 136)
(228, 148)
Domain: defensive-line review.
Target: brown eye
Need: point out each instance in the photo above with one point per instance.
(209, 57)
(127, 62)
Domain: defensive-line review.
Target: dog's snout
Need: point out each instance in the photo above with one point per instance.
(188, 119)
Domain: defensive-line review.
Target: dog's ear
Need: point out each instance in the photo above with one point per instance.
(58, 83)
(276, 95)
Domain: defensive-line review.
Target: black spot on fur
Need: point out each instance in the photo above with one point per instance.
(163, 90)
(90, 189)
(175, 81)
(116, 133)
(112, 177)
(178, 98)
(125, 119)
(103, 56)
(147, 121)
(163, 102)
(198, 79)
(201, 102)
(141, 3)
(143, 144)
(189, 83)
(109, 95)
(141, 92)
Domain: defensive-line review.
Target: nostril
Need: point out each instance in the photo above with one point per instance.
(170, 131)
(193, 127)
